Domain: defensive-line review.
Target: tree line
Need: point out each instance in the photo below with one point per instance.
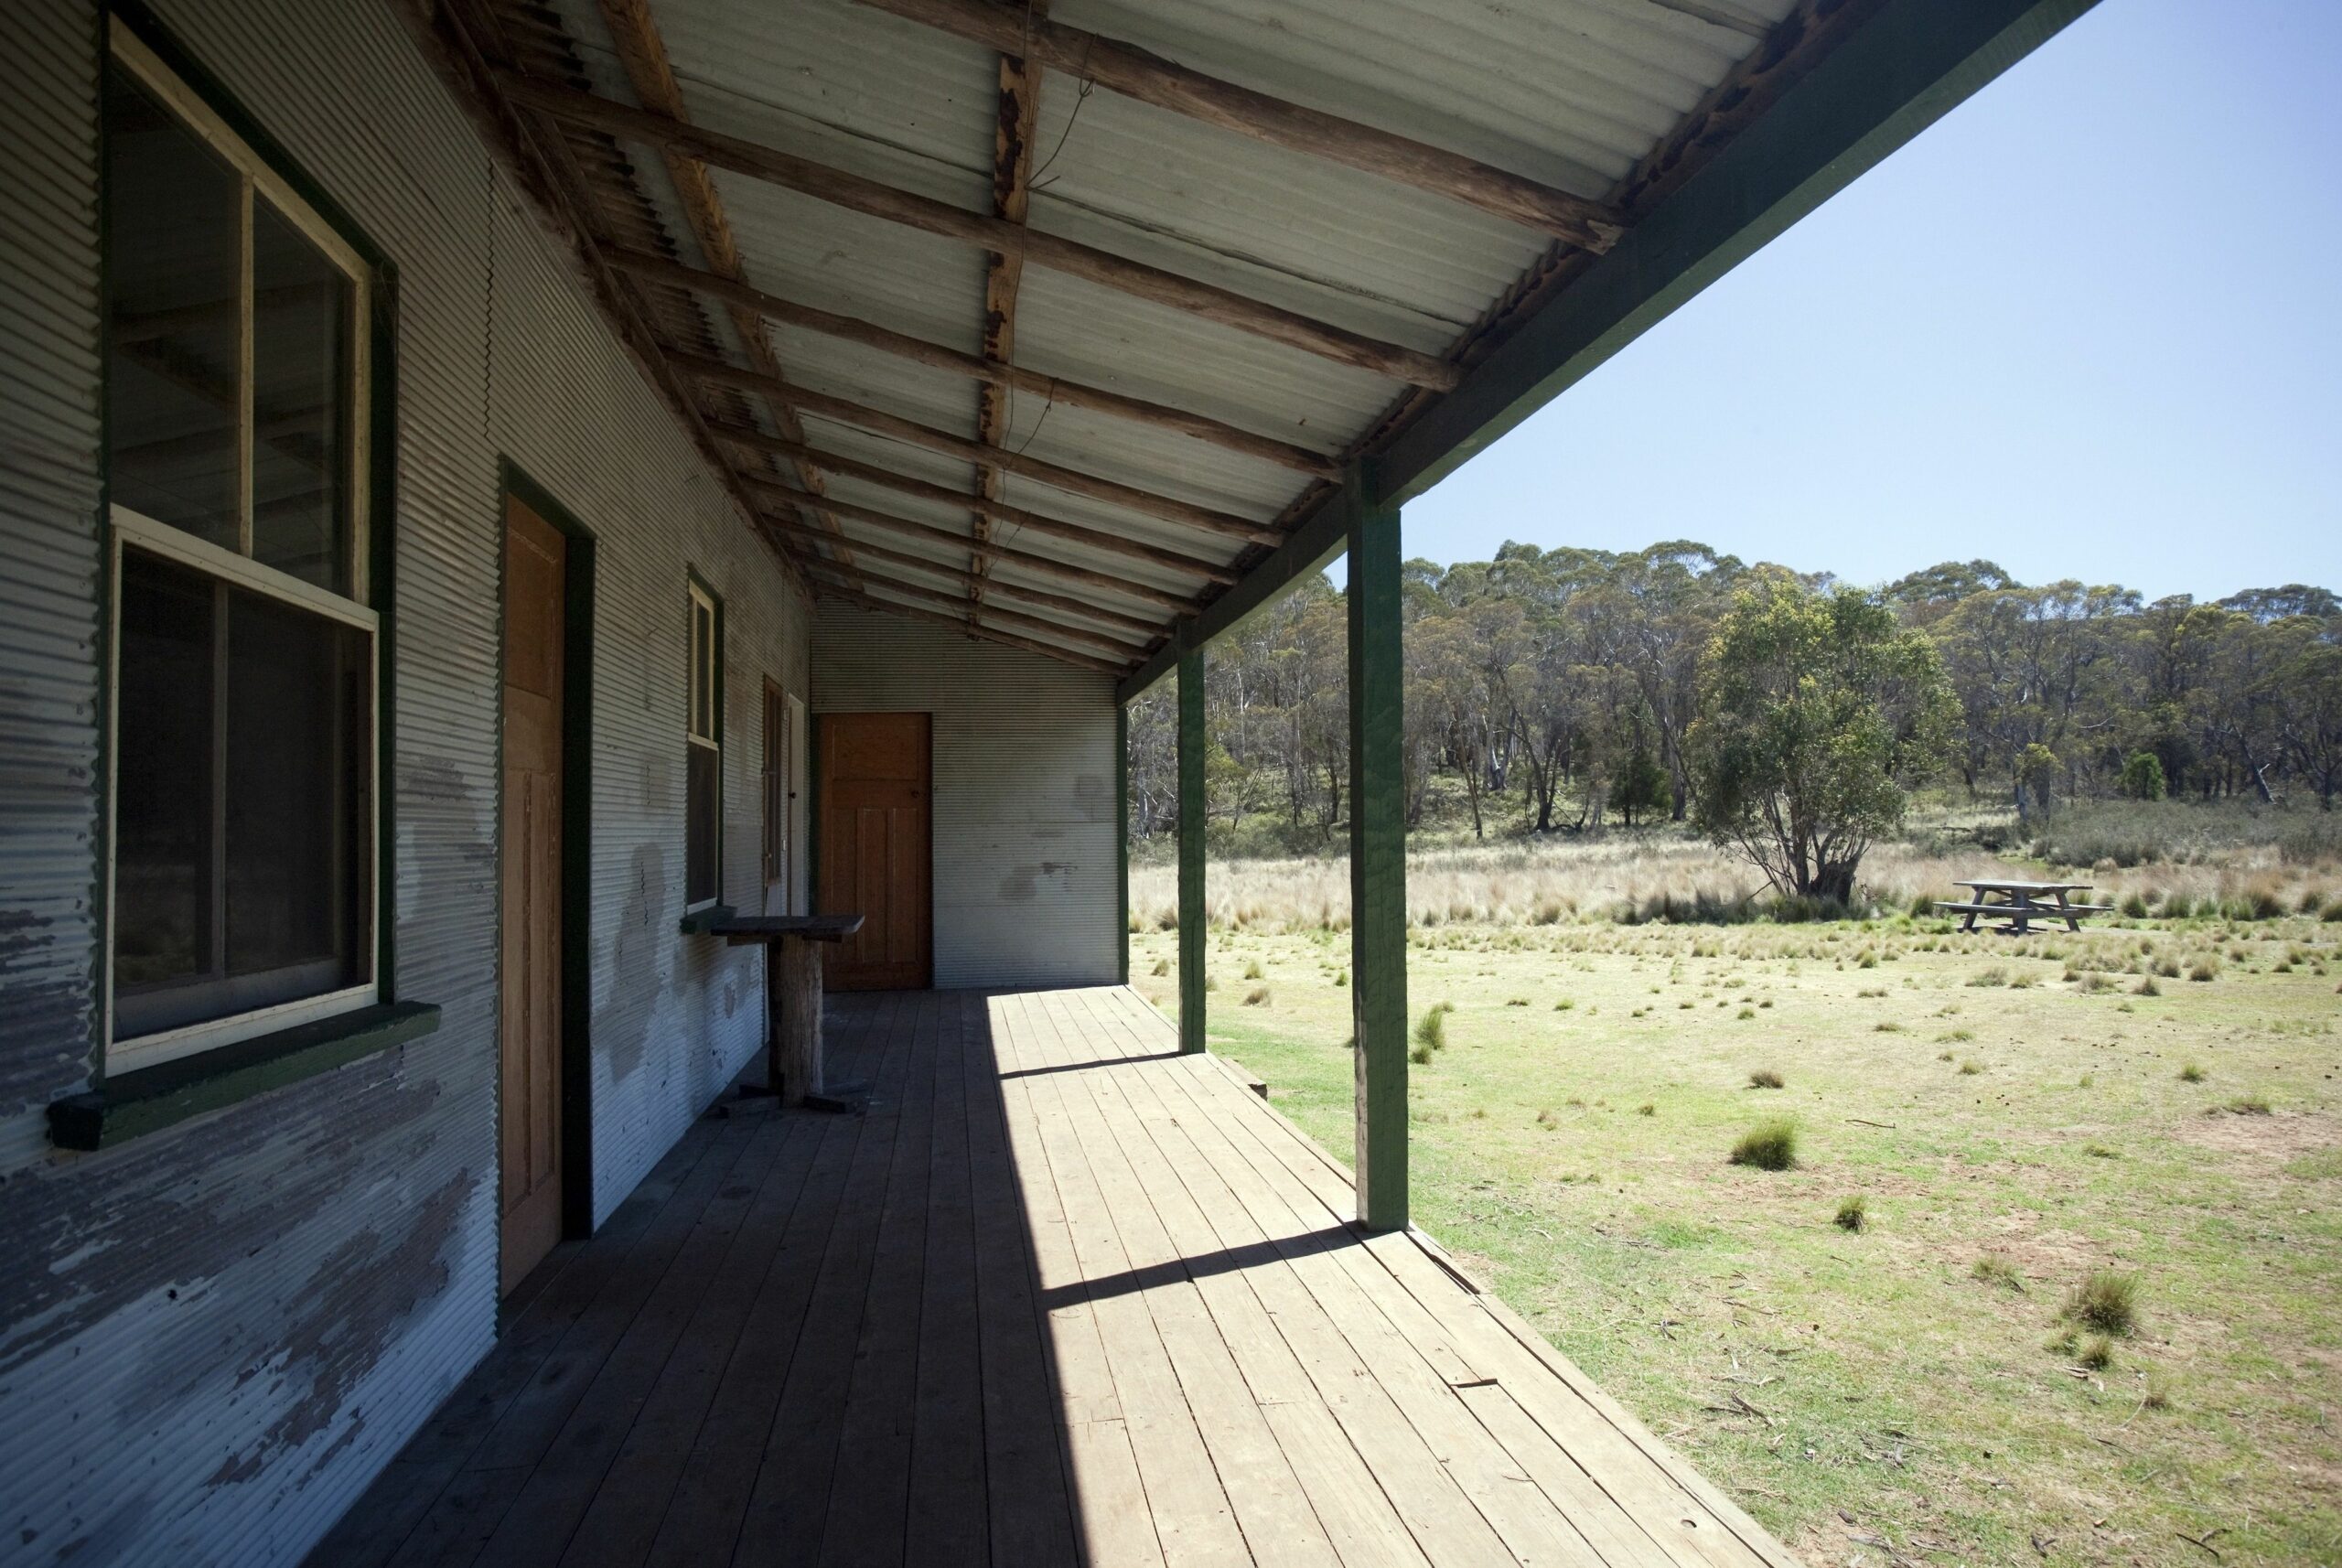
(1563, 690)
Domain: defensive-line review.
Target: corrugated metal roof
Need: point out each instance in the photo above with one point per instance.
(1571, 92)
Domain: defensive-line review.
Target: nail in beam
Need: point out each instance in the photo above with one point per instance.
(1191, 851)
(1378, 871)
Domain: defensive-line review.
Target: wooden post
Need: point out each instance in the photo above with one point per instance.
(793, 1001)
(1191, 850)
(1378, 871)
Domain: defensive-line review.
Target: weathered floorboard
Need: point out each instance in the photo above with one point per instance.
(1060, 1293)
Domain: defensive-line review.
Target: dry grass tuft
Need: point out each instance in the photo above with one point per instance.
(1768, 1146)
(1764, 1077)
(2104, 1301)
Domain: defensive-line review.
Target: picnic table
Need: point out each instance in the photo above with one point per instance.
(2019, 904)
(793, 992)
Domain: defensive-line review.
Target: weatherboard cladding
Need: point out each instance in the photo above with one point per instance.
(1025, 874)
(212, 1336)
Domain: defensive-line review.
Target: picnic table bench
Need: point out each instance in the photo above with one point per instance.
(2019, 904)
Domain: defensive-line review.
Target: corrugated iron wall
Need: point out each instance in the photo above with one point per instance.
(1024, 826)
(211, 1338)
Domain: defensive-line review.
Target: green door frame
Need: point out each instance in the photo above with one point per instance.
(1191, 851)
(1378, 869)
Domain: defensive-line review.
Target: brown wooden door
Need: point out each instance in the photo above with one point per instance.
(874, 829)
(535, 568)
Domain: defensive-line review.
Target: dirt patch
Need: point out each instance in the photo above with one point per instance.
(2277, 1138)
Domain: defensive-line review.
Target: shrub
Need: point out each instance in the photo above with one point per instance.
(1257, 997)
(2191, 1073)
(1886, 1026)
(1565, 1004)
(1970, 1067)
(1995, 975)
(2104, 1301)
(2142, 777)
(2097, 1353)
(1853, 1214)
(1420, 1056)
(2134, 905)
(2248, 1105)
(2205, 970)
(1769, 1146)
(2147, 986)
(1995, 1270)
(1162, 967)
(1342, 977)
(1431, 1030)
(1764, 1077)
(2100, 1152)
(1253, 970)
(1647, 1109)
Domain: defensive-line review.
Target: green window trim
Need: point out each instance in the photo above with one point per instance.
(132, 1104)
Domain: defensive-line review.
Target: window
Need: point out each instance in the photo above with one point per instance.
(243, 772)
(703, 767)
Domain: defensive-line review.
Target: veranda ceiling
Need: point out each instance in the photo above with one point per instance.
(1053, 320)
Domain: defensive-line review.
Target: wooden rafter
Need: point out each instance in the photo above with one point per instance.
(1138, 73)
(989, 614)
(960, 623)
(895, 427)
(876, 199)
(999, 511)
(1138, 626)
(1031, 560)
(540, 167)
(643, 54)
(1012, 174)
(978, 367)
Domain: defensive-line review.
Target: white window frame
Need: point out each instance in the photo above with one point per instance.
(133, 530)
(712, 737)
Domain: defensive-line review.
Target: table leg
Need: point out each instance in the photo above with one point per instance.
(795, 995)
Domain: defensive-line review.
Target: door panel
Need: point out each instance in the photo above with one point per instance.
(875, 800)
(535, 567)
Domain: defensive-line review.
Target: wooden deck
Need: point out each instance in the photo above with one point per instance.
(1061, 1295)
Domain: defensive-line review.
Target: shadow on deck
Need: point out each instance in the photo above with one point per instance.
(1060, 1295)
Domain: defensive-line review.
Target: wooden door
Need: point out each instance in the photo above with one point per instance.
(536, 571)
(874, 804)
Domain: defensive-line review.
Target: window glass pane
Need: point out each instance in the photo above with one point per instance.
(174, 283)
(301, 306)
(703, 679)
(298, 755)
(163, 841)
(704, 788)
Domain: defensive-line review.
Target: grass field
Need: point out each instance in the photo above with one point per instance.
(2014, 1117)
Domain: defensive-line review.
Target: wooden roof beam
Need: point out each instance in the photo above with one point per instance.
(993, 615)
(1012, 172)
(857, 194)
(643, 54)
(895, 427)
(978, 367)
(962, 625)
(1048, 566)
(999, 511)
(1139, 73)
(1137, 626)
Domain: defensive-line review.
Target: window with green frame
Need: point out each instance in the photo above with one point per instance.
(244, 655)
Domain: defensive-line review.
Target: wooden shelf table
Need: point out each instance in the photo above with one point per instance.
(793, 991)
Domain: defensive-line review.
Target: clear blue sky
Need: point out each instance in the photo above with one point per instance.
(2089, 325)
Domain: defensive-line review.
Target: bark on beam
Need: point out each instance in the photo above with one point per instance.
(896, 428)
(975, 367)
(1138, 73)
(857, 194)
(999, 511)
(1012, 173)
